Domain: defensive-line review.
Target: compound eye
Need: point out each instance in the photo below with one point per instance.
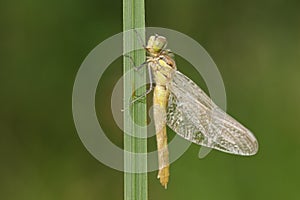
(159, 43)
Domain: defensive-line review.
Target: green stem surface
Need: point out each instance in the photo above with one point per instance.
(135, 184)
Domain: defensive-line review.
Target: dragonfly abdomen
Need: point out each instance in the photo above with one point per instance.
(160, 100)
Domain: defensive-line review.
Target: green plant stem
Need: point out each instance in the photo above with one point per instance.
(135, 184)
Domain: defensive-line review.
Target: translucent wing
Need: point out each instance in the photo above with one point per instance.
(193, 115)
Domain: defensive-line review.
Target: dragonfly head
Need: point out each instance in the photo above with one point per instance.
(156, 44)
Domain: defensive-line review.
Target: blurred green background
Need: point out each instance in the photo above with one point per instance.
(255, 44)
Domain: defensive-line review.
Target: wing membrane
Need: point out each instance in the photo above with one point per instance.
(194, 116)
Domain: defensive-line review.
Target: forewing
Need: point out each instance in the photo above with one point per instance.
(193, 115)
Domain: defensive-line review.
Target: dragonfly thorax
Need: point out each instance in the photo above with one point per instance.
(163, 68)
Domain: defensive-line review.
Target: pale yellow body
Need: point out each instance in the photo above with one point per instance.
(160, 100)
(163, 68)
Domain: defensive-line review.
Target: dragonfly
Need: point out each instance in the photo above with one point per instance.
(183, 106)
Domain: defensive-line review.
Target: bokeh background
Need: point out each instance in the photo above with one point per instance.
(255, 44)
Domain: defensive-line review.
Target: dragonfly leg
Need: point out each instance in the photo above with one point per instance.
(149, 90)
(140, 39)
(136, 68)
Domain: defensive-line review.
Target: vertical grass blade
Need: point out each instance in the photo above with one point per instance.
(135, 184)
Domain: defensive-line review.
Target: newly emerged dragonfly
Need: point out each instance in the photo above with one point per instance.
(179, 103)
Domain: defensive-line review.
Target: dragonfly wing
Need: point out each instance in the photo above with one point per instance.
(194, 116)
